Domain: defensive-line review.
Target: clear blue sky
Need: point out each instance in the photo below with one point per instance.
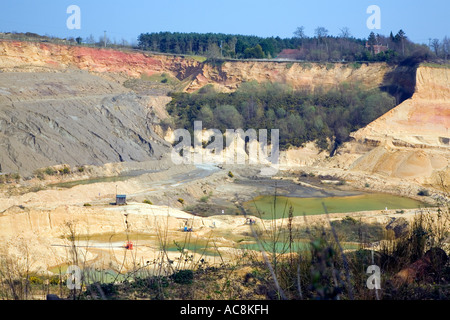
(420, 19)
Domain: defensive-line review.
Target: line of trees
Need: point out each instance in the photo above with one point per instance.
(321, 47)
(213, 44)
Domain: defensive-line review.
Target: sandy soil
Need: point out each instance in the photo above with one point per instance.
(39, 223)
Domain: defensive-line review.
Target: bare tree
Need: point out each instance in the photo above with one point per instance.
(321, 32)
(344, 36)
(124, 43)
(345, 33)
(300, 33)
(90, 39)
(435, 45)
(102, 42)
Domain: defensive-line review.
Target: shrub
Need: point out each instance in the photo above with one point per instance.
(349, 220)
(39, 174)
(180, 200)
(50, 171)
(355, 65)
(64, 170)
(423, 193)
(87, 205)
(35, 280)
(9, 177)
(54, 280)
(183, 277)
(307, 66)
(147, 201)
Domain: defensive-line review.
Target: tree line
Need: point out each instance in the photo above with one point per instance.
(321, 47)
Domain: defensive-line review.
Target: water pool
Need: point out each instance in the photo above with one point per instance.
(265, 207)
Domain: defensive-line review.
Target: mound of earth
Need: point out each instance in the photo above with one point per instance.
(74, 118)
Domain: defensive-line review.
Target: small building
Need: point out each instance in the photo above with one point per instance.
(290, 54)
(377, 48)
(121, 199)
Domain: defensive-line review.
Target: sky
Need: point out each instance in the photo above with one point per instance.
(421, 20)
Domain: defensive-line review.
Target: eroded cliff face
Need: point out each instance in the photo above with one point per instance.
(230, 74)
(72, 118)
(410, 141)
(28, 56)
(226, 76)
(423, 119)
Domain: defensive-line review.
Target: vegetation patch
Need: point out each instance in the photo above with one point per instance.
(319, 48)
(324, 116)
(423, 193)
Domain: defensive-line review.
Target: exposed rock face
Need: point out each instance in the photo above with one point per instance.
(422, 120)
(227, 76)
(15, 55)
(73, 118)
(410, 141)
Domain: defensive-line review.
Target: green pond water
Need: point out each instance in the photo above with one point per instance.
(207, 249)
(264, 207)
(282, 246)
